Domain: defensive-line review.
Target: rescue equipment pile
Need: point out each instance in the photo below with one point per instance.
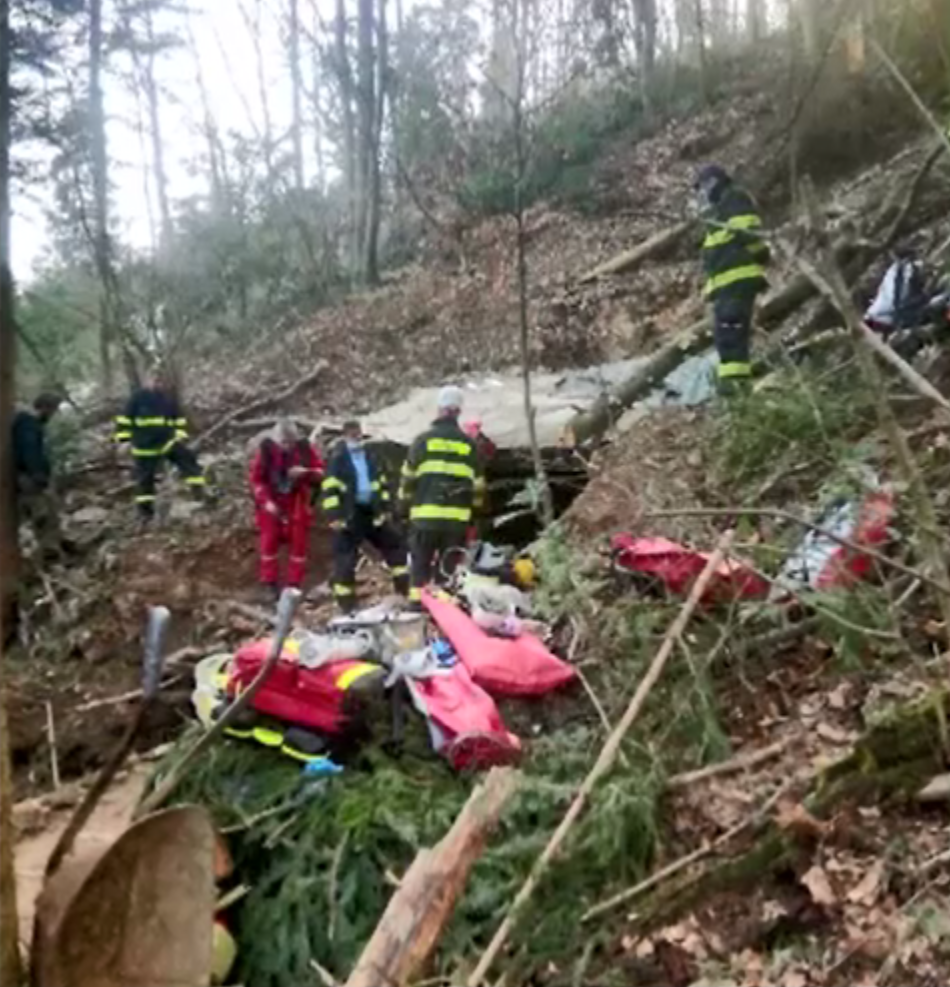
(352, 679)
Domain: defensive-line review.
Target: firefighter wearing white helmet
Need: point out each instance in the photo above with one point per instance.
(442, 485)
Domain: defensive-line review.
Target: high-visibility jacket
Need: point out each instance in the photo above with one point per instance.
(734, 253)
(338, 494)
(152, 423)
(442, 481)
(270, 480)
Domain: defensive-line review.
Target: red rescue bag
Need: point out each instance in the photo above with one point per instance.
(521, 666)
(464, 723)
(316, 698)
(677, 567)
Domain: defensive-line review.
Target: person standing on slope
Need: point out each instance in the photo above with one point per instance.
(734, 259)
(356, 501)
(154, 426)
(34, 500)
(442, 484)
(284, 471)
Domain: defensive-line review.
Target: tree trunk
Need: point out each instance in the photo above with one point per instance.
(155, 126)
(753, 19)
(521, 162)
(350, 168)
(296, 127)
(317, 82)
(216, 153)
(374, 190)
(367, 159)
(102, 249)
(10, 970)
(645, 13)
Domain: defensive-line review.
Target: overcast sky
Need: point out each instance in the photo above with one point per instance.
(229, 67)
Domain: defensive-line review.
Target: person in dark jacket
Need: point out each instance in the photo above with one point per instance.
(734, 258)
(154, 426)
(442, 486)
(34, 500)
(356, 501)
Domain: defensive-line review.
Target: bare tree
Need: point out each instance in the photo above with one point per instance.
(296, 128)
(521, 141)
(753, 20)
(373, 69)
(143, 53)
(110, 295)
(10, 971)
(344, 75)
(645, 32)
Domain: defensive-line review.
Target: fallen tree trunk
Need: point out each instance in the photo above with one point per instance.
(413, 920)
(853, 256)
(260, 404)
(655, 246)
(606, 410)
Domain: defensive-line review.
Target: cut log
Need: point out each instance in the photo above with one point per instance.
(605, 411)
(656, 246)
(413, 920)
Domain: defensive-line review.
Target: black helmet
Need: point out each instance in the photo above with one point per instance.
(711, 176)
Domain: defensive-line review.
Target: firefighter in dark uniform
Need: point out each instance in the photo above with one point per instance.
(734, 258)
(154, 426)
(357, 503)
(442, 486)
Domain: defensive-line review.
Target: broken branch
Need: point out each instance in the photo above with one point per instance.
(655, 246)
(742, 763)
(919, 383)
(260, 404)
(683, 863)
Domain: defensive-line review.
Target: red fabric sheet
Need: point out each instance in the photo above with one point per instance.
(521, 666)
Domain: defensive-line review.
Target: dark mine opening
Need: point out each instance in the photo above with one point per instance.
(511, 517)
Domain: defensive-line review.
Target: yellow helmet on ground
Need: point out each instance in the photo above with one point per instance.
(525, 572)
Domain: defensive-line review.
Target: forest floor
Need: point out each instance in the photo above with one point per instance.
(862, 900)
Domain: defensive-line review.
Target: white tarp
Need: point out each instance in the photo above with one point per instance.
(498, 401)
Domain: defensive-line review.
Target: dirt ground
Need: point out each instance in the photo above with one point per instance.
(197, 568)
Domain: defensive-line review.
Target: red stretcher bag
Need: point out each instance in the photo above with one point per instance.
(677, 567)
(520, 666)
(316, 698)
(464, 723)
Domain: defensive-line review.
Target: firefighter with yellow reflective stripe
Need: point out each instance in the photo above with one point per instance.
(442, 486)
(356, 500)
(734, 258)
(156, 430)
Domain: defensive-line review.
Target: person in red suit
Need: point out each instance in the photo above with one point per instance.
(284, 472)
